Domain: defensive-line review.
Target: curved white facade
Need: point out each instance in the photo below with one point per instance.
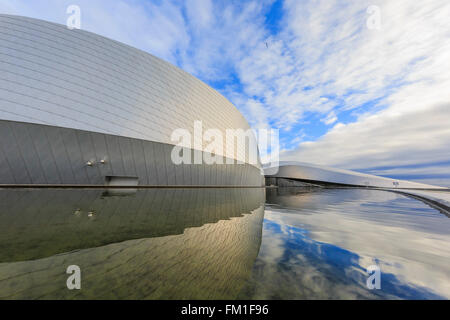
(69, 98)
(75, 79)
(314, 173)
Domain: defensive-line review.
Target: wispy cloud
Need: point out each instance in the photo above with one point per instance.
(394, 79)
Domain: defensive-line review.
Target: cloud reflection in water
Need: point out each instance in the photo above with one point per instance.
(317, 245)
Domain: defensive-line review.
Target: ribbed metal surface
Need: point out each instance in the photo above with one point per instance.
(76, 79)
(39, 154)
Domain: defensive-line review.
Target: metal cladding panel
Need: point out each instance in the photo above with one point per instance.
(179, 176)
(28, 154)
(304, 171)
(170, 167)
(77, 161)
(38, 154)
(59, 152)
(127, 156)
(195, 174)
(5, 169)
(149, 155)
(138, 156)
(101, 150)
(88, 151)
(44, 152)
(76, 79)
(160, 164)
(12, 152)
(187, 170)
(207, 174)
(115, 158)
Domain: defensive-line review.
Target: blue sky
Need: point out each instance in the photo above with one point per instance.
(341, 94)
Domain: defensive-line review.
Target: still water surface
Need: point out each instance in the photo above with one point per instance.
(221, 244)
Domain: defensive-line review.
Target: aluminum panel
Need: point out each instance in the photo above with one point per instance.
(44, 152)
(13, 154)
(79, 80)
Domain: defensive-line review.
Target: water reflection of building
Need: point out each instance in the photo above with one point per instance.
(187, 243)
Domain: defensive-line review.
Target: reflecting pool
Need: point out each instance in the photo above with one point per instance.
(243, 243)
(319, 244)
(141, 244)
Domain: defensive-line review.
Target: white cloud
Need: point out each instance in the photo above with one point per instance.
(404, 64)
(384, 139)
(200, 13)
(330, 118)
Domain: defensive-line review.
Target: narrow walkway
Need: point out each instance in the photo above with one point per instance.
(436, 199)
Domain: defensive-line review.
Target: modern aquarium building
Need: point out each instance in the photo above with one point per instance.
(80, 109)
(293, 173)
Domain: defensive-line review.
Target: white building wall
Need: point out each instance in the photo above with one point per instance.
(76, 79)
